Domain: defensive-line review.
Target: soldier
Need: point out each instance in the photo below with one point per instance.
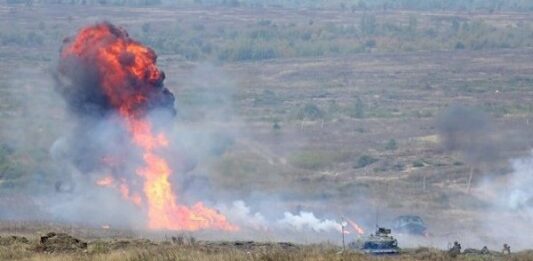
(455, 250)
(506, 249)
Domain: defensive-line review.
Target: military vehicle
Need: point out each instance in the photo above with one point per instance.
(410, 224)
(380, 243)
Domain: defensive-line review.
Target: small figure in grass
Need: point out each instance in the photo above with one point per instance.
(455, 250)
(506, 249)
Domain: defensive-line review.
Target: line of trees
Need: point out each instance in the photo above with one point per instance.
(349, 5)
(268, 39)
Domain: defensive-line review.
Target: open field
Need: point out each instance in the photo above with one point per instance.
(60, 246)
(325, 110)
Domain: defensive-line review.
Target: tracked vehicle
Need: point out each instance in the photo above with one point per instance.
(380, 243)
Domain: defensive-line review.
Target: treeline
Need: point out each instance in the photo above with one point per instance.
(90, 2)
(267, 39)
(455, 5)
(352, 5)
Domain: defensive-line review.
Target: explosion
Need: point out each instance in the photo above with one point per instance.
(103, 71)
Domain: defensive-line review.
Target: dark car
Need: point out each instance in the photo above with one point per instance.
(410, 224)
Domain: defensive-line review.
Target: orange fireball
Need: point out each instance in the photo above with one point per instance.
(131, 83)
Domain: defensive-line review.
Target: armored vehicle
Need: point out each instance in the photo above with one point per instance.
(380, 243)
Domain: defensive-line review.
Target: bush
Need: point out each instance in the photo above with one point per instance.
(248, 50)
(370, 43)
(358, 110)
(391, 145)
(418, 163)
(365, 160)
(310, 111)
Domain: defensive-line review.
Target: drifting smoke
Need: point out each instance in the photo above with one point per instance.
(302, 222)
(307, 220)
(241, 214)
(512, 193)
(110, 81)
(518, 196)
(508, 201)
(510, 211)
(468, 131)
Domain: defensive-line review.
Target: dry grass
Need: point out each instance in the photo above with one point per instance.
(146, 250)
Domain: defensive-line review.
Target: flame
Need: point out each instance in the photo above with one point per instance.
(125, 192)
(109, 182)
(106, 181)
(130, 79)
(356, 227)
(164, 213)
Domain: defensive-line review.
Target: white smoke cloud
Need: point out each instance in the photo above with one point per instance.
(241, 214)
(517, 194)
(307, 221)
(508, 218)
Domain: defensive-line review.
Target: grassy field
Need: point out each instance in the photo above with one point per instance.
(329, 110)
(63, 247)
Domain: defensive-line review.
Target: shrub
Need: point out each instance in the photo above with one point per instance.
(391, 145)
(371, 43)
(358, 110)
(310, 111)
(365, 160)
(418, 163)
